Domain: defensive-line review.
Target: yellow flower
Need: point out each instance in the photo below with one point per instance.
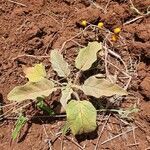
(117, 30)
(100, 24)
(84, 23)
(114, 38)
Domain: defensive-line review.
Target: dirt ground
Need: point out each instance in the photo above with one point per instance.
(35, 27)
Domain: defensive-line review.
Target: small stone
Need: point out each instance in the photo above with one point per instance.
(29, 51)
(145, 87)
(142, 74)
(148, 138)
(2, 80)
(1, 136)
(34, 31)
(36, 43)
(141, 66)
(18, 12)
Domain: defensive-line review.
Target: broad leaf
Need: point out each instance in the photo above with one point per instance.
(36, 73)
(81, 116)
(98, 87)
(66, 95)
(31, 90)
(87, 56)
(59, 64)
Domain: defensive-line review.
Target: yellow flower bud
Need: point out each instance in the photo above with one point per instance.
(114, 38)
(100, 24)
(84, 23)
(117, 30)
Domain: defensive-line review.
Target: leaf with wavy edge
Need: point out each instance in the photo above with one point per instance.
(81, 116)
(98, 87)
(66, 95)
(87, 56)
(59, 64)
(31, 90)
(36, 73)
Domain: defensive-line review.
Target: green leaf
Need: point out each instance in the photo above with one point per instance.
(31, 90)
(42, 105)
(87, 56)
(81, 116)
(126, 114)
(66, 95)
(18, 126)
(59, 64)
(98, 87)
(36, 73)
(65, 128)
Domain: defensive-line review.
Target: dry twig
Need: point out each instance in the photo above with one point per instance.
(96, 147)
(70, 139)
(32, 56)
(63, 45)
(17, 3)
(108, 140)
(96, 5)
(47, 137)
(142, 15)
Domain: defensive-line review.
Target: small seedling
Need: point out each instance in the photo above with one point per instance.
(81, 114)
(124, 113)
(41, 105)
(127, 114)
(65, 128)
(18, 126)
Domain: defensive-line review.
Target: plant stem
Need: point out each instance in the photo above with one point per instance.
(78, 74)
(76, 95)
(109, 110)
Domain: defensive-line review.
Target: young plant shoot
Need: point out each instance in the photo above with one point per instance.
(81, 114)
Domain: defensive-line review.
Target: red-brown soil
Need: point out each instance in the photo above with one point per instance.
(46, 24)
